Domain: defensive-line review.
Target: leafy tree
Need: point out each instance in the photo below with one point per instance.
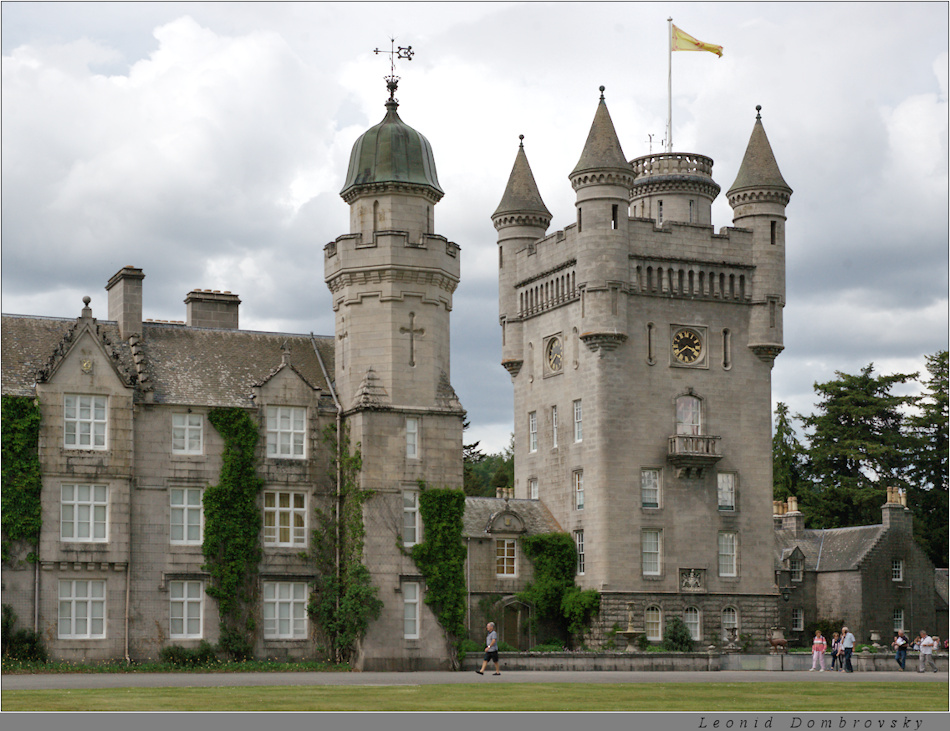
(857, 447)
(490, 466)
(927, 492)
(676, 636)
(788, 461)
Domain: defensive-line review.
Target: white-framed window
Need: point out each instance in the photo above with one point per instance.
(554, 427)
(187, 433)
(579, 544)
(653, 623)
(578, 480)
(650, 552)
(578, 421)
(533, 488)
(410, 608)
(410, 518)
(897, 569)
(533, 431)
(285, 610)
(85, 421)
(727, 490)
(412, 437)
(692, 619)
(798, 619)
(689, 415)
(898, 619)
(186, 599)
(286, 432)
(730, 623)
(505, 557)
(727, 554)
(650, 488)
(797, 567)
(285, 518)
(186, 515)
(82, 609)
(84, 513)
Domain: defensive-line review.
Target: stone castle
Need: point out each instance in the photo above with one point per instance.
(639, 342)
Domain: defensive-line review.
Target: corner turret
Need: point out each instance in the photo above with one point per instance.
(520, 219)
(758, 199)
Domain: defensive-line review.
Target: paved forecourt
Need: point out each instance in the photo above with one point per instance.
(221, 680)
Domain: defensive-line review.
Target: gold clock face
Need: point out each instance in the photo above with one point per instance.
(554, 354)
(687, 346)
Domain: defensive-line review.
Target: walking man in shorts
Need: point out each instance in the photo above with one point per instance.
(491, 650)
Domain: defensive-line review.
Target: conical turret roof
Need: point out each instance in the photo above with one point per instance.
(602, 149)
(392, 152)
(521, 195)
(759, 168)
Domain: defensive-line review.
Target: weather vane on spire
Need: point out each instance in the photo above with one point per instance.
(392, 81)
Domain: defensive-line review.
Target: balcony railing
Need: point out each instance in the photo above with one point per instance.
(692, 454)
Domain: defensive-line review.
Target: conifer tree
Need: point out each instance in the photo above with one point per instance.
(857, 448)
(787, 456)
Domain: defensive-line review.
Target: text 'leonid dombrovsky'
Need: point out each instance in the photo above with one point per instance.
(800, 722)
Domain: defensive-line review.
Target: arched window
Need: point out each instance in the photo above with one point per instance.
(730, 624)
(689, 418)
(691, 618)
(653, 623)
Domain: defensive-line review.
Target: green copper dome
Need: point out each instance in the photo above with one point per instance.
(391, 152)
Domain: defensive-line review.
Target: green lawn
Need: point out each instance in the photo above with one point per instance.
(805, 697)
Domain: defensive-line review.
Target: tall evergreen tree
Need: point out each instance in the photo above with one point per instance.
(787, 456)
(857, 448)
(927, 494)
(472, 456)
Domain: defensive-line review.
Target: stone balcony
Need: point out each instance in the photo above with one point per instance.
(692, 454)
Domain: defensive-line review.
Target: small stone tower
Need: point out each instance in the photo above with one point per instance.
(758, 199)
(392, 281)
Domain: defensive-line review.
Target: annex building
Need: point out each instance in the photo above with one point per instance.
(640, 343)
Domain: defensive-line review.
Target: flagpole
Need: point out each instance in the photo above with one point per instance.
(669, 87)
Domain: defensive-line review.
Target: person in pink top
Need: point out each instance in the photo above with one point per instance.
(818, 647)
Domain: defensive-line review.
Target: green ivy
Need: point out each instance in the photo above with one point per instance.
(231, 545)
(344, 600)
(21, 507)
(441, 558)
(556, 599)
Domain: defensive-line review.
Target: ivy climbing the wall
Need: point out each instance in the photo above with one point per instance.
(344, 600)
(231, 545)
(441, 558)
(21, 481)
(559, 604)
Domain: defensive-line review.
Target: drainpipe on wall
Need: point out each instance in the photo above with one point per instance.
(468, 583)
(339, 458)
(36, 592)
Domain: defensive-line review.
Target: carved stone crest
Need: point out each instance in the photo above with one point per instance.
(693, 580)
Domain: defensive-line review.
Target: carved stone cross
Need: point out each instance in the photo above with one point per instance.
(412, 331)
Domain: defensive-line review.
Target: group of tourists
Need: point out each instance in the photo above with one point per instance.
(842, 646)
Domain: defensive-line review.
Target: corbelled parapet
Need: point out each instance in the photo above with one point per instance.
(681, 182)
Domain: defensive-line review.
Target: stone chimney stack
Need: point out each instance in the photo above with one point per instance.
(125, 300)
(207, 308)
(793, 520)
(894, 513)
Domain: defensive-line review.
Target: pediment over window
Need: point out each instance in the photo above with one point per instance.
(505, 521)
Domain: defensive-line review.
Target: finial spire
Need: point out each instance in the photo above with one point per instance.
(758, 111)
(602, 89)
(521, 144)
(392, 81)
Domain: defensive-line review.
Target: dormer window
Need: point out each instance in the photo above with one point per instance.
(286, 429)
(85, 421)
(797, 567)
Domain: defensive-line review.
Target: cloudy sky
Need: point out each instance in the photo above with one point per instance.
(207, 144)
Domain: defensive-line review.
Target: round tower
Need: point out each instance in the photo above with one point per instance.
(758, 199)
(602, 180)
(520, 219)
(673, 186)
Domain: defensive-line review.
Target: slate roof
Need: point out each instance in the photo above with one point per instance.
(831, 549)
(759, 168)
(479, 511)
(185, 365)
(940, 586)
(522, 194)
(602, 149)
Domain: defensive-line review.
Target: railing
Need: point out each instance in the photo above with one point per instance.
(672, 163)
(694, 445)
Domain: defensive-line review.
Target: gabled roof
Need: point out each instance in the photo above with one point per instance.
(831, 549)
(181, 365)
(480, 510)
(941, 586)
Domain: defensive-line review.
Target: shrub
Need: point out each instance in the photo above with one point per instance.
(466, 646)
(21, 644)
(188, 657)
(642, 642)
(676, 636)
